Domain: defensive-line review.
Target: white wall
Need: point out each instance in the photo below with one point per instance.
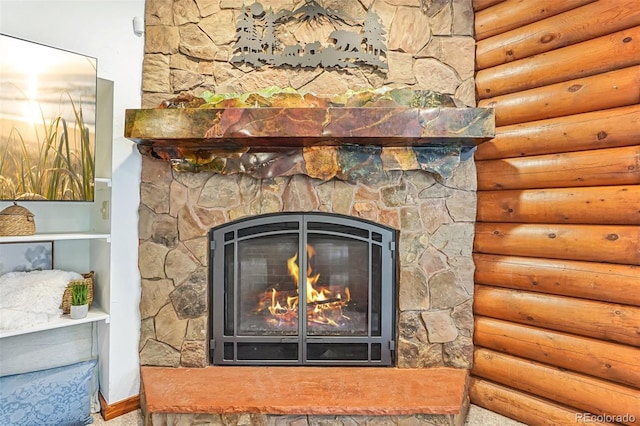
(103, 29)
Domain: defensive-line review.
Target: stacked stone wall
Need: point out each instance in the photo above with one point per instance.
(188, 48)
(435, 220)
(189, 45)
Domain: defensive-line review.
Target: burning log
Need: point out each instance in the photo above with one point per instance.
(324, 305)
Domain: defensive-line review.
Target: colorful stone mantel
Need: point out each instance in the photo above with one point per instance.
(209, 128)
(322, 142)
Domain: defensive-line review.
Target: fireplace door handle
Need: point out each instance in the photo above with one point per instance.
(316, 340)
(308, 340)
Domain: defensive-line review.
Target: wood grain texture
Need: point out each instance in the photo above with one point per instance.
(608, 128)
(602, 91)
(572, 389)
(511, 14)
(618, 205)
(574, 26)
(596, 56)
(598, 320)
(524, 407)
(483, 4)
(604, 167)
(120, 408)
(617, 244)
(609, 361)
(585, 280)
(556, 285)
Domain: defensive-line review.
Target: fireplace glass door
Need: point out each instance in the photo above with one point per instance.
(302, 289)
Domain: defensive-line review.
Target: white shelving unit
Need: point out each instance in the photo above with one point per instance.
(80, 231)
(96, 313)
(102, 30)
(84, 249)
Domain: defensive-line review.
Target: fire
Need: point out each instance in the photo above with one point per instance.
(324, 306)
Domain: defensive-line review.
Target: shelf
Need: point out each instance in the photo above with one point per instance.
(56, 236)
(95, 314)
(216, 129)
(271, 141)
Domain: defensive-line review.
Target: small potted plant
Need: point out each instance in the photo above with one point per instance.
(79, 300)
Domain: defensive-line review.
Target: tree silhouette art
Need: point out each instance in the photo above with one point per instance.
(269, 39)
(373, 33)
(248, 42)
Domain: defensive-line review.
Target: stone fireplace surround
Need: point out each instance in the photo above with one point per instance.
(187, 47)
(256, 161)
(435, 220)
(434, 215)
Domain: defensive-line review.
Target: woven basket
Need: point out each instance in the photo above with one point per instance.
(66, 297)
(17, 220)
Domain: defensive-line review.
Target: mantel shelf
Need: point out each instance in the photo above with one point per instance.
(287, 127)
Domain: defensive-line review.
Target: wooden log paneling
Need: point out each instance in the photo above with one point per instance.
(609, 361)
(483, 4)
(586, 280)
(573, 389)
(557, 243)
(603, 167)
(596, 56)
(586, 205)
(592, 243)
(598, 320)
(608, 128)
(511, 14)
(602, 91)
(529, 409)
(577, 25)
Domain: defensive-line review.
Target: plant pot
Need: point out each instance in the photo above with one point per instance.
(79, 311)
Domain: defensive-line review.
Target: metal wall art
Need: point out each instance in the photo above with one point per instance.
(257, 41)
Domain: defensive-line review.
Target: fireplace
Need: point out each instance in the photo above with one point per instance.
(302, 289)
(228, 251)
(223, 245)
(408, 168)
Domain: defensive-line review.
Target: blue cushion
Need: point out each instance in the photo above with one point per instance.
(57, 397)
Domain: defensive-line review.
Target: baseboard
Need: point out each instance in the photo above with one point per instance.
(112, 411)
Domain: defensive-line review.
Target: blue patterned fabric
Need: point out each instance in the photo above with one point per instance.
(55, 397)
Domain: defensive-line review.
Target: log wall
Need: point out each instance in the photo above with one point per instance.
(557, 245)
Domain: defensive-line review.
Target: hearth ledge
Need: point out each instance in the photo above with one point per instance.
(351, 391)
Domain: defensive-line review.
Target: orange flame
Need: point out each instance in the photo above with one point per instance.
(323, 307)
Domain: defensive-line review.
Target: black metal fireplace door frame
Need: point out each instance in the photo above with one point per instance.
(223, 347)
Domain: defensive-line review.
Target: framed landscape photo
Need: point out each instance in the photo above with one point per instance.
(23, 257)
(47, 122)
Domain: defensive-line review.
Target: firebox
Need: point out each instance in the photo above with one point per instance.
(302, 289)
